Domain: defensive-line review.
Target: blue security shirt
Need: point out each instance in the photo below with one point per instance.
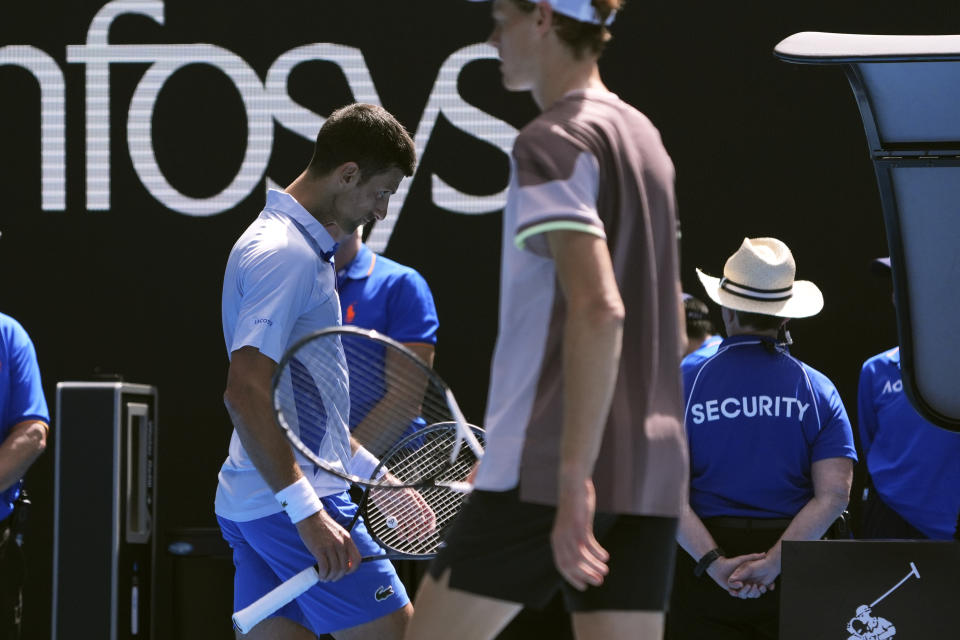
(380, 294)
(704, 351)
(757, 419)
(21, 393)
(914, 465)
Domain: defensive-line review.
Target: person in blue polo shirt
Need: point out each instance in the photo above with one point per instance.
(771, 451)
(381, 294)
(701, 334)
(913, 466)
(386, 296)
(24, 424)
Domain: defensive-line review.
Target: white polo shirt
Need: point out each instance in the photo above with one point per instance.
(279, 285)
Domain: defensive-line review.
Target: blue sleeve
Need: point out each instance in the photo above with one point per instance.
(26, 400)
(835, 439)
(866, 411)
(412, 315)
(690, 367)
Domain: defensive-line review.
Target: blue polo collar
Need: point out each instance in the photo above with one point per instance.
(361, 266)
(746, 338)
(322, 242)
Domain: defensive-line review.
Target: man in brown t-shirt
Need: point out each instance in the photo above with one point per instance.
(585, 469)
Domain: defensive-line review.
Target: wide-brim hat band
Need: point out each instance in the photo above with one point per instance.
(753, 293)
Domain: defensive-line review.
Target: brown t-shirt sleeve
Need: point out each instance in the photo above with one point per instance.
(557, 188)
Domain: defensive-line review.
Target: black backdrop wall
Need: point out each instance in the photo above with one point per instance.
(112, 254)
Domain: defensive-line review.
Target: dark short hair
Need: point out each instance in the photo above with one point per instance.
(699, 325)
(760, 321)
(581, 36)
(365, 134)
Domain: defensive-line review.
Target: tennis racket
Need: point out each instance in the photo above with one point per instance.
(376, 387)
(404, 446)
(411, 523)
(396, 519)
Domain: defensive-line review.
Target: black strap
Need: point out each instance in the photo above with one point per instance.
(18, 519)
(707, 560)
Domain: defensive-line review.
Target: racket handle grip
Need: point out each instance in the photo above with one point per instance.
(251, 615)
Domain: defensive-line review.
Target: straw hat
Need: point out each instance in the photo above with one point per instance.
(759, 278)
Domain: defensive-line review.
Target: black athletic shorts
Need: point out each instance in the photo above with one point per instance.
(499, 547)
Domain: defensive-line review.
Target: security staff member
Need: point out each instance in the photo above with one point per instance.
(24, 423)
(700, 330)
(381, 294)
(771, 451)
(906, 456)
(386, 296)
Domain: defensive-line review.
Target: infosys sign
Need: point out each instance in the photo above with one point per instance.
(266, 103)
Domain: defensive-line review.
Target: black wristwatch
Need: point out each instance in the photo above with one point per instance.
(707, 560)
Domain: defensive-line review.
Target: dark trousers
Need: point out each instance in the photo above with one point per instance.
(700, 609)
(11, 583)
(882, 522)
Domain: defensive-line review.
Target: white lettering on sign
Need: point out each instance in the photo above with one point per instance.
(893, 387)
(53, 137)
(264, 103)
(748, 407)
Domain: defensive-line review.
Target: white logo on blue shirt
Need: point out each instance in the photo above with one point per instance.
(893, 387)
(748, 407)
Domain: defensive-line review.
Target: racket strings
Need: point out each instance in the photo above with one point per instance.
(408, 389)
(334, 379)
(378, 419)
(414, 521)
(408, 531)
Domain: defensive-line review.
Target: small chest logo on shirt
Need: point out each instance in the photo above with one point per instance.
(893, 387)
(266, 321)
(748, 407)
(383, 593)
(351, 313)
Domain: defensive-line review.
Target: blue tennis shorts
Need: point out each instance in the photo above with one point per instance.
(268, 550)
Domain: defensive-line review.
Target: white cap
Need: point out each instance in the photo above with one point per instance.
(579, 10)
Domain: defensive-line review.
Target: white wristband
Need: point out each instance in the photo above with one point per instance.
(299, 500)
(363, 463)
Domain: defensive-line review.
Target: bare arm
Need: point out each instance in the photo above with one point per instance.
(248, 402)
(423, 351)
(401, 400)
(247, 398)
(693, 536)
(23, 444)
(592, 339)
(591, 347)
(832, 478)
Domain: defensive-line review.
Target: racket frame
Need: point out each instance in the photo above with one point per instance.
(458, 487)
(251, 615)
(464, 433)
